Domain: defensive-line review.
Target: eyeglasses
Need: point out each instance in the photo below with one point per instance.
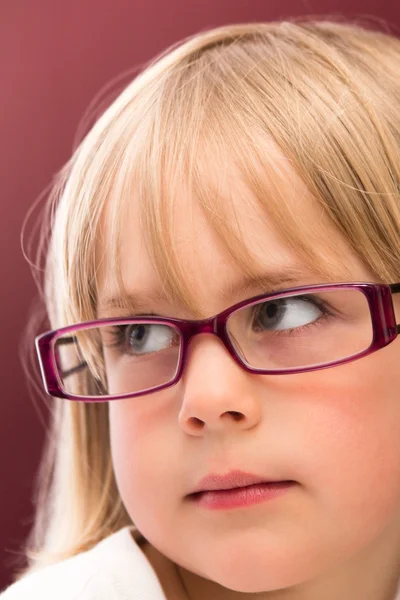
(293, 331)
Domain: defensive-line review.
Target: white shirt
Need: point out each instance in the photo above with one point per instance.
(114, 569)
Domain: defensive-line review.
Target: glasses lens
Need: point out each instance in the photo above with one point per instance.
(302, 330)
(118, 358)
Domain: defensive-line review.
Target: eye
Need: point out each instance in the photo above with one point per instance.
(286, 313)
(137, 335)
(142, 338)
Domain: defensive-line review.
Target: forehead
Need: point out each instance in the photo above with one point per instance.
(194, 237)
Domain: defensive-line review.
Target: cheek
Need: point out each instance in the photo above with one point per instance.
(347, 431)
(143, 445)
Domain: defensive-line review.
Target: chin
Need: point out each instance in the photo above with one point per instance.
(259, 578)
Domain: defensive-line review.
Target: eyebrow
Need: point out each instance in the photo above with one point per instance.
(265, 282)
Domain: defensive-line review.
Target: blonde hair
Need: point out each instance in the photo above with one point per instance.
(326, 92)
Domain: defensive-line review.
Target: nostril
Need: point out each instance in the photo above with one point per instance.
(236, 415)
(198, 423)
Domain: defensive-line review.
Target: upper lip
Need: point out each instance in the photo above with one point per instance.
(233, 479)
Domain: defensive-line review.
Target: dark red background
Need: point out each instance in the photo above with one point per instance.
(54, 58)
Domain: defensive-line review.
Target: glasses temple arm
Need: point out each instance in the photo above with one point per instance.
(395, 289)
(64, 342)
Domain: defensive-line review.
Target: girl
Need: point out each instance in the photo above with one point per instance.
(222, 287)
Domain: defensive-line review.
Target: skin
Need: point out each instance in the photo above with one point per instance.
(335, 432)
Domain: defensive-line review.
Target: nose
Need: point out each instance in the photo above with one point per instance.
(217, 394)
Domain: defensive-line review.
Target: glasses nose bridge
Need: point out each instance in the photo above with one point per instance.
(212, 325)
(215, 325)
(204, 326)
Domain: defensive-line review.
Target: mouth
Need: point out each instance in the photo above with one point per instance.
(266, 484)
(232, 480)
(241, 497)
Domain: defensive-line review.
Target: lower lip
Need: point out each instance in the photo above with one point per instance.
(245, 496)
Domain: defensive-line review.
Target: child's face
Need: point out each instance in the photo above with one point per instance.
(336, 432)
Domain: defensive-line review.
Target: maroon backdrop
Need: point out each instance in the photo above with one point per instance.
(55, 57)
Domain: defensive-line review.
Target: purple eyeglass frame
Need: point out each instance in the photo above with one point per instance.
(379, 297)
